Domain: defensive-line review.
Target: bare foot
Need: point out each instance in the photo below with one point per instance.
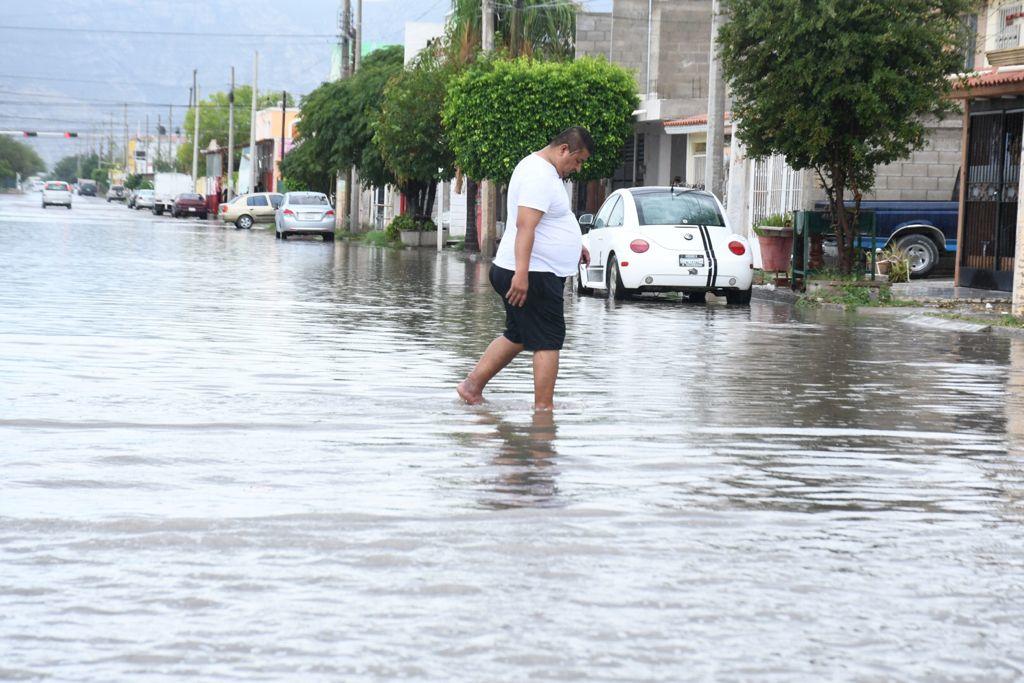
(470, 392)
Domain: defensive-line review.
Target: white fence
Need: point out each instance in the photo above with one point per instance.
(774, 188)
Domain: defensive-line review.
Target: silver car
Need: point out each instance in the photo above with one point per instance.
(144, 199)
(305, 213)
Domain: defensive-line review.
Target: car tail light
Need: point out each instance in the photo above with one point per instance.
(639, 246)
(288, 212)
(330, 212)
(737, 248)
(223, 208)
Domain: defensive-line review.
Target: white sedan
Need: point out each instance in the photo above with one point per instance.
(664, 239)
(56, 193)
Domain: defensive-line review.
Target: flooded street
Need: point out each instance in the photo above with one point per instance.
(231, 458)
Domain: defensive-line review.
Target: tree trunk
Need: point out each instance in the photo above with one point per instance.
(431, 194)
(472, 239)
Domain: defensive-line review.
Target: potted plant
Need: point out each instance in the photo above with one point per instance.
(775, 237)
(897, 264)
(407, 230)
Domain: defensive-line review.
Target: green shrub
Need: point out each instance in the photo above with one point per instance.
(899, 264)
(775, 220)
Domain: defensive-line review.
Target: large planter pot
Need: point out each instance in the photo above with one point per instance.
(776, 246)
(411, 238)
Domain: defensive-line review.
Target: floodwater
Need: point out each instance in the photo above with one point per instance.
(230, 458)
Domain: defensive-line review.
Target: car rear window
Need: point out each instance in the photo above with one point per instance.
(191, 196)
(57, 186)
(307, 200)
(676, 207)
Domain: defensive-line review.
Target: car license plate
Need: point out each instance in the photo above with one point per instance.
(309, 216)
(192, 208)
(691, 261)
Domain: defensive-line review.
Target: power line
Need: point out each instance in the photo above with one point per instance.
(197, 34)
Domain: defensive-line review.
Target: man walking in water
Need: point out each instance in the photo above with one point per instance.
(542, 245)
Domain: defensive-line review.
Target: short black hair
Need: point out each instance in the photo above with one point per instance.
(577, 137)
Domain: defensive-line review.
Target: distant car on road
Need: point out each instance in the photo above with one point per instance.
(37, 185)
(664, 239)
(305, 213)
(87, 190)
(247, 209)
(56, 193)
(189, 204)
(116, 193)
(144, 199)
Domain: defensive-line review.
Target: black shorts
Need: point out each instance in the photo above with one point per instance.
(539, 324)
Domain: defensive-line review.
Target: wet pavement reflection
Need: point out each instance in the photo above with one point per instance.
(227, 457)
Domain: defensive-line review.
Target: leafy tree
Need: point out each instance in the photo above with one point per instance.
(213, 121)
(408, 132)
(17, 157)
(840, 86)
(499, 111)
(336, 128)
(545, 29)
(67, 169)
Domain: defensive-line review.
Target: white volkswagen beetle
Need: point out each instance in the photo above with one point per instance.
(664, 239)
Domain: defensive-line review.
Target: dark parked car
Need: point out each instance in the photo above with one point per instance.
(189, 204)
(87, 190)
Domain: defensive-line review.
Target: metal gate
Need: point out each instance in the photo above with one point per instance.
(774, 188)
(990, 207)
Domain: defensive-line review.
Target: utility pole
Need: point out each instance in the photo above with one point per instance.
(488, 194)
(353, 217)
(716, 108)
(231, 135)
(252, 122)
(195, 134)
(170, 132)
(284, 115)
(126, 137)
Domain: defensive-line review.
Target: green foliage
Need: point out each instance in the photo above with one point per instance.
(499, 111)
(336, 128)
(377, 238)
(102, 179)
(132, 181)
(67, 169)
(775, 220)
(544, 29)
(213, 121)
(899, 263)
(840, 86)
(408, 133)
(17, 157)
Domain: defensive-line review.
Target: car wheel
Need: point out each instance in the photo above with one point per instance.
(328, 237)
(69, 207)
(44, 205)
(697, 297)
(284, 235)
(244, 222)
(202, 216)
(922, 252)
(277, 235)
(738, 297)
(616, 290)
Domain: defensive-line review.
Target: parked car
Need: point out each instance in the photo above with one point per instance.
(38, 185)
(116, 193)
(144, 199)
(86, 187)
(248, 209)
(129, 199)
(305, 213)
(56, 193)
(926, 230)
(189, 204)
(167, 186)
(664, 239)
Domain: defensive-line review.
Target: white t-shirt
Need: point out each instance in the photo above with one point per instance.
(557, 241)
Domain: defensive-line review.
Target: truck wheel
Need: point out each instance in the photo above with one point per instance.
(923, 254)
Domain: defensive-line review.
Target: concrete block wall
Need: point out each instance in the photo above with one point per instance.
(928, 174)
(593, 33)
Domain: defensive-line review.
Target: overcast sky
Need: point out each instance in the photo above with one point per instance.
(78, 80)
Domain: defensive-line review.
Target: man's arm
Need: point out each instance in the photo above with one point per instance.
(526, 229)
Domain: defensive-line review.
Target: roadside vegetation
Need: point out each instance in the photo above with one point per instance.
(842, 87)
(17, 158)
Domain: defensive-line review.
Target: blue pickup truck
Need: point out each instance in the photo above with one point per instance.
(926, 230)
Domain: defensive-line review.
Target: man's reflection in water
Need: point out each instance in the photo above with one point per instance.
(525, 467)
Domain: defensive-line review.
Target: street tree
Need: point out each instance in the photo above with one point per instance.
(337, 125)
(213, 121)
(498, 111)
(543, 29)
(408, 131)
(18, 158)
(841, 86)
(70, 168)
